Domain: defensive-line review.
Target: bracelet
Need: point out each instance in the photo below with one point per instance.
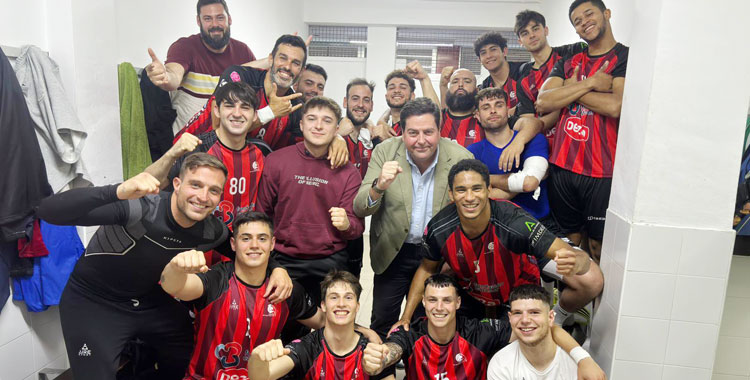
(265, 114)
(579, 354)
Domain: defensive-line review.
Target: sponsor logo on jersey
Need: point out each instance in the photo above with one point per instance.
(576, 130)
(235, 76)
(234, 305)
(232, 374)
(530, 225)
(171, 239)
(460, 253)
(84, 351)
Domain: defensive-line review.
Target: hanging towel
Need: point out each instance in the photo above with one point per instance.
(60, 133)
(23, 182)
(44, 288)
(136, 155)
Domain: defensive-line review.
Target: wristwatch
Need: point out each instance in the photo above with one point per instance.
(375, 187)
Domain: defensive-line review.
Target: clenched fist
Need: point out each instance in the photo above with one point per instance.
(388, 174)
(339, 218)
(191, 261)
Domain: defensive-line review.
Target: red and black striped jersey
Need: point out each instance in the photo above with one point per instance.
(232, 318)
(465, 357)
(492, 264)
(245, 168)
(397, 128)
(510, 86)
(531, 79)
(277, 133)
(465, 130)
(360, 151)
(314, 360)
(586, 141)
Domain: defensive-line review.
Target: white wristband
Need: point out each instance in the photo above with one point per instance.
(579, 354)
(265, 114)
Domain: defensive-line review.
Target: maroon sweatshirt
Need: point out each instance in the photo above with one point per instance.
(296, 191)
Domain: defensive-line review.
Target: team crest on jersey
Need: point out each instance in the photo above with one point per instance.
(576, 130)
(491, 247)
(255, 165)
(472, 133)
(270, 311)
(365, 153)
(459, 358)
(512, 94)
(228, 354)
(460, 253)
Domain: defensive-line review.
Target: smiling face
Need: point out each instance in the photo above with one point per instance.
(530, 320)
(318, 125)
(533, 36)
(286, 65)
(471, 196)
(214, 23)
(492, 56)
(235, 116)
(311, 84)
(340, 304)
(197, 192)
(440, 305)
(398, 92)
(590, 22)
(253, 243)
(421, 137)
(358, 104)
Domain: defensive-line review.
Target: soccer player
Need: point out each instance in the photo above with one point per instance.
(113, 293)
(312, 82)
(333, 352)
(532, 32)
(528, 189)
(446, 346)
(232, 317)
(492, 49)
(492, 247)
(534, 355)
(399, 89)
(458, 121)
(309, 202)
(588, 86)
(194, 63)
(405, 185)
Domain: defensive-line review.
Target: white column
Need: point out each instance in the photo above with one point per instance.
(381, 59)
(668, 239)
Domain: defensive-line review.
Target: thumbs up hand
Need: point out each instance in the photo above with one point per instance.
(156, 70)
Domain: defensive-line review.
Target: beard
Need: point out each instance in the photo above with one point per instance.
(397, 106)
(354, 120)
(275, 78)
(461, 103)
(215, 43)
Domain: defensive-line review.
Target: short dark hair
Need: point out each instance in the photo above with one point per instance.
(323, 102)
(246, 217)
(203, 3)
(466, 165)
(490, 38)
(400, 74)
(290, 39)
(236, 92)
(441, 280)
(196, 160)
(335, 276)
(523, 18)
(575, 4)
(530, 292)
(359, 82)
(317, 69)
(417, 107)
(491, 93)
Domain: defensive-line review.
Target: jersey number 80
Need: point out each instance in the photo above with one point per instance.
(237, 185)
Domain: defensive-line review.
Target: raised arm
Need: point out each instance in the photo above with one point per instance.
(167, 77)
(270, 361)
(178, 277)
(161, 167)
(93, 206)
(414, 69)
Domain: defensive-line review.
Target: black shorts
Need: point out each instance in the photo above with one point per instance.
(96, 330)
(579, 202)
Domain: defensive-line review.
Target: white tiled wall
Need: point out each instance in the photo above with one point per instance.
(733, 352)
(662, 305)
(29, 342)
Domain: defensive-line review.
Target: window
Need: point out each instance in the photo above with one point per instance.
(338, 41)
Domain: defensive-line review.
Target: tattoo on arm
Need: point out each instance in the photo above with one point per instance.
(394, 354)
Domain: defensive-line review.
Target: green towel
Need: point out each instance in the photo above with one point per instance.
(135, 151)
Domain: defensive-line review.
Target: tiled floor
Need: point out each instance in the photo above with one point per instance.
(733, 352)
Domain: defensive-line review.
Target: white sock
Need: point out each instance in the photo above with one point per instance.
(560, 314)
